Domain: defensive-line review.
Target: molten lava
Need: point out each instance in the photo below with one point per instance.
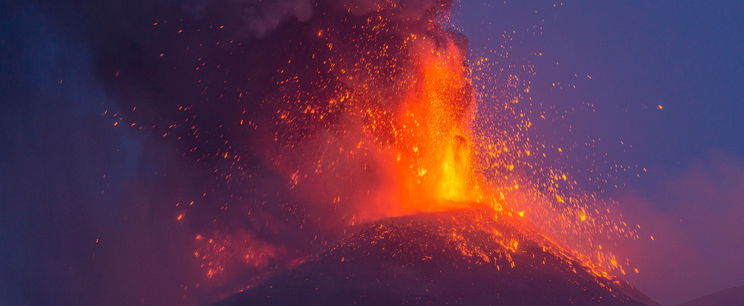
(434, 167)
(460, 257)
(366, 111)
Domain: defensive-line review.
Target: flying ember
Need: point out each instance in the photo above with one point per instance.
(351, 112)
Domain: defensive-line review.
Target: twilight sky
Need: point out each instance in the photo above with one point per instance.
(683, 55)
(81, 202)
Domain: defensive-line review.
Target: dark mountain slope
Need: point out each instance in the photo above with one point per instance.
(453, 258)
(728, 297)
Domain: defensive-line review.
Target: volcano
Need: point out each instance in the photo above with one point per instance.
(730, 296)
(463, 257)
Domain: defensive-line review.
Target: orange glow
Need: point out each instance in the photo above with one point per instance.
(433, 160)
(413, 109)
(395, 129)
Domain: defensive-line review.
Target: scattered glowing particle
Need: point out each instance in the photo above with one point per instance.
(421, 172)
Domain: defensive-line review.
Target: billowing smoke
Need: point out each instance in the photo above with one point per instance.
(260, 131)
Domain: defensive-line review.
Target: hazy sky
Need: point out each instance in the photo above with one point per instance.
(684, 55)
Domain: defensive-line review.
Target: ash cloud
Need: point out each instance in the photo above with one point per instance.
(91, 214)
(399, 9)
(260, 17)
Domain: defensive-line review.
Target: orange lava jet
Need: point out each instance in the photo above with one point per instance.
(406, 101)
(434, 169)
(370, 112)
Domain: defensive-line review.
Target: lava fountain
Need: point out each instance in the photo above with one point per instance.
(352, 112)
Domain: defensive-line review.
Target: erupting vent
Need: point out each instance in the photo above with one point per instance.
(358, 112)
(453, 258)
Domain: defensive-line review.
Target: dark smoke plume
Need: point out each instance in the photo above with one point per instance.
(216, 143)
